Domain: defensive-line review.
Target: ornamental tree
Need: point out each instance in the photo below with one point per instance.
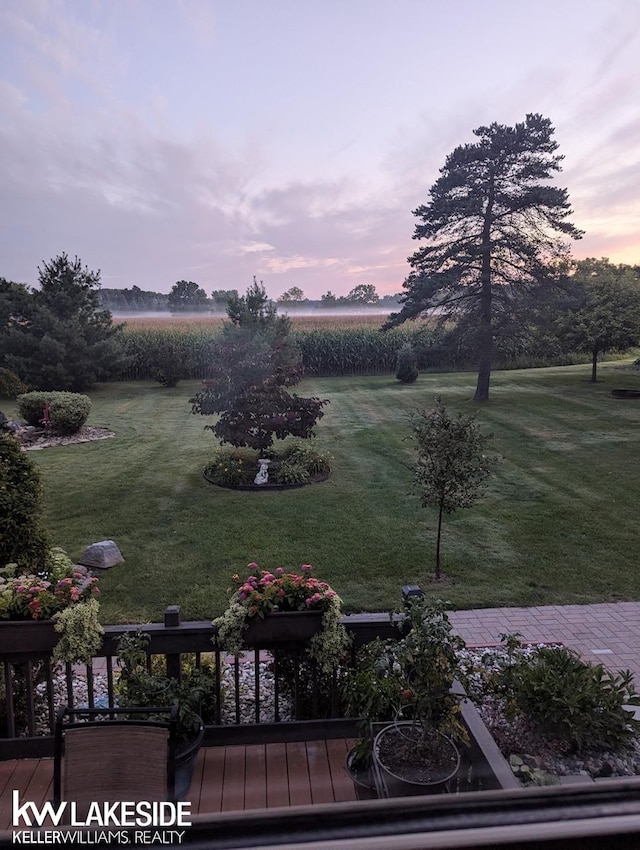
(604, 310)
(493, 226)
(452, 465)
(253, 364)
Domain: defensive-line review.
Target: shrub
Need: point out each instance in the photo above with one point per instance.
(407, 364)
(579, 703)
(22, 540)
(67, 411)
(10, 384)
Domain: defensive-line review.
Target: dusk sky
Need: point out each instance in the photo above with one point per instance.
(211, 140)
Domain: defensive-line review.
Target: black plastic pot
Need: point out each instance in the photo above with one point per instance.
(363, 779)
(185, 762)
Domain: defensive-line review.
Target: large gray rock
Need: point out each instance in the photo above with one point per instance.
(101, 555)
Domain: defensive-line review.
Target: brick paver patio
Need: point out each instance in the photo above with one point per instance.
(607, 632)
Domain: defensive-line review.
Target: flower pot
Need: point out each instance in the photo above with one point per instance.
(282, 627)
(27, 636)
(363, 779)
(185, 761)
(409, 767)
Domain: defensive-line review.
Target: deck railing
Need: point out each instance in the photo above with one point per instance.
(26, 662)
(25, 659)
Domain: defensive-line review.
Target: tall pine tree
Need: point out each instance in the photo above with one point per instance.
(494, 227)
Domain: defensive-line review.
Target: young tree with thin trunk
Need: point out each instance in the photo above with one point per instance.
(452, 465)
(494, 227)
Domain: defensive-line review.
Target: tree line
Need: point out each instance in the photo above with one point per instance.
(186, 296)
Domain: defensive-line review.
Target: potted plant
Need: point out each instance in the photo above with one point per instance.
(194, 693)
(275, 607)
(409, 682)
(55, 609)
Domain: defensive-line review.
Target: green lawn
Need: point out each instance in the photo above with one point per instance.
(559, 522)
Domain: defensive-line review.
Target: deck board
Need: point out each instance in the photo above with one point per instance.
(298, 772)
(255, 782)
(224, 778)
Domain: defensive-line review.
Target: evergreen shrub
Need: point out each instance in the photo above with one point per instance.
(407, 364)
(22, 540)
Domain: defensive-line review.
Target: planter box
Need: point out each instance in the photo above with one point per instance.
(22, 637)
(283, 627)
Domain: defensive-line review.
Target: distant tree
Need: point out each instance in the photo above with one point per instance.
(57, 337)
(123, 300)
(451, 466)
(253, 363)
(491, 225)
(363, 294)
(328, 299)
(220, 297)
(295, 295)
(186, 296)
(603, 313)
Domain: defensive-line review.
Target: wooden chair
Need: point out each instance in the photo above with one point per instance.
(108, 755)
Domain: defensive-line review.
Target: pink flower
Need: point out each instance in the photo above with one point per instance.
(306, 568)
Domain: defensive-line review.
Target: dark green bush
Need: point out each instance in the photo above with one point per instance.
(10, 384)
(67, 411)
(580, 703)
(407, 365)
(22, 540)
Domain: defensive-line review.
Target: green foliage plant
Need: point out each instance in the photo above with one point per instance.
(494, 227)
(194, 694)
(232, 467)
(262, 592)
(407, 365)
(80, 632)
(452, 465)
(409, 678)
(579, 703)
(23, 540)
(294, 463)
(67, 412)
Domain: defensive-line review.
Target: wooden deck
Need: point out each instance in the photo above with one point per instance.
(225, 778)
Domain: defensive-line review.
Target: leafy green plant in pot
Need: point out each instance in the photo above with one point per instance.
(195, 695)
(417, 753)
(372, 689)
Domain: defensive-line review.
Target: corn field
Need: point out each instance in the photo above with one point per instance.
(344, 348)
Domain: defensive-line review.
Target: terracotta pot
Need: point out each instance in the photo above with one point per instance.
(404, 783)
(19, 637)
(282, 627)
